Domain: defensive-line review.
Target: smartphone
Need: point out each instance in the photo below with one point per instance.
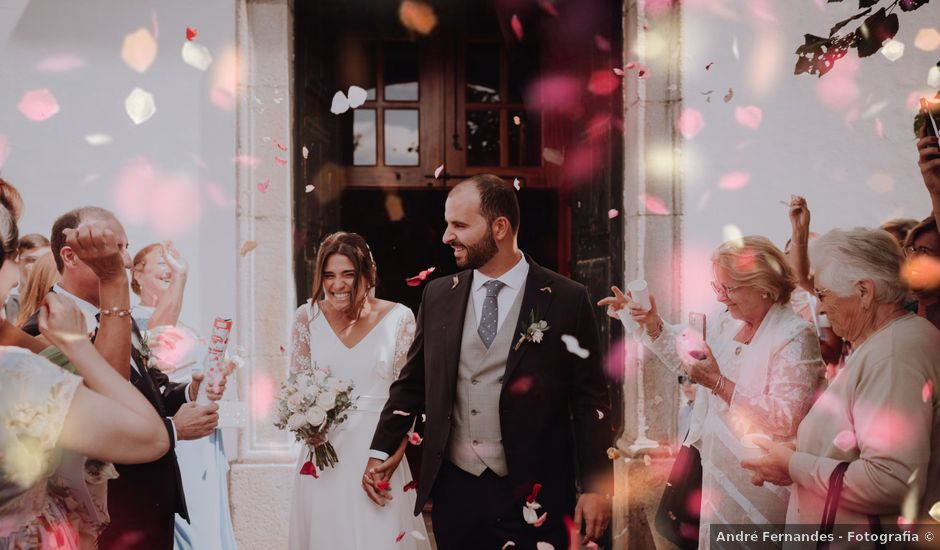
(697, 326)
(930, 120)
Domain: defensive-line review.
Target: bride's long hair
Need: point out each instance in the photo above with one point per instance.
(354, 247)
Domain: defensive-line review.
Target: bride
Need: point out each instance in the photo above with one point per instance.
(363, 339)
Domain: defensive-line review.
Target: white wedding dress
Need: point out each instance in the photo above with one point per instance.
(333, 511)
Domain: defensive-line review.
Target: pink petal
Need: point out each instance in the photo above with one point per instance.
(749, 117)
(280, 146)
(541, 520)
(38, 105)
(879, 128)
(438, 170)
(845, 440)
(263, 186)
(927, 391)
(631, 66)
(733, 181)
(401, 413)
(654, 205)
(246, 160)
(516, 26)
(420, 277)
(613, 213)
(690, 123)
(602, 43)
(617, 71)
(603, 83)
(556, 92)
(280, 161)
(414, 438)
(61, 63)
(548, 6)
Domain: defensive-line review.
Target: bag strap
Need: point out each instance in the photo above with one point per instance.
(836, 480)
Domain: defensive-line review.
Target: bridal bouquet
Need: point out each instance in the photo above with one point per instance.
(309, 404)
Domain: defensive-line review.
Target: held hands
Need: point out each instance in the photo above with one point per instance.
(593, 511)
(213, 391)
(378, 472)
(61, 322)
(647, 318)
(97, 247)
(773, 467)
(193, 421)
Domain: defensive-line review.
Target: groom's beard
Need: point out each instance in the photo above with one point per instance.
(478, 253)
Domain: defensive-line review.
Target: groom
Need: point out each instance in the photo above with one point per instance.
(511, 414)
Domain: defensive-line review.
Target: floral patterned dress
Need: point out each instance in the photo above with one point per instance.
(35, 396)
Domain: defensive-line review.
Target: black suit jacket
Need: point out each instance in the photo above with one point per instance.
(144, 495)
(554, 407)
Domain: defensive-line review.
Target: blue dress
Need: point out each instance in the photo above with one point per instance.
(203, 465)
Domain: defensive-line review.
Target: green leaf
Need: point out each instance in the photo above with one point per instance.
(838, 26)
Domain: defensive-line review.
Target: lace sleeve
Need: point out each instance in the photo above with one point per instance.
(300, 340)
(795, 372)
(35, 396)
(403, 340)
(666, 346)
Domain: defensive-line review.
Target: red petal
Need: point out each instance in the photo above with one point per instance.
(280, 145)
(541, 520)
(548, 7)
(309, 469)
(516, 26)
(535, 493)
(411, 485)
(414, 438)
(279, 160)
(400, 536)
(383, 486)
(191, 33)
(420, 277)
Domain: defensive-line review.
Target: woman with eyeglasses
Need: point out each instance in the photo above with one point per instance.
(921, 249)
(757, 376)
(880, 414)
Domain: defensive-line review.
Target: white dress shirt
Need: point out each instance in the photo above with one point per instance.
(514, 281)
(91, 322)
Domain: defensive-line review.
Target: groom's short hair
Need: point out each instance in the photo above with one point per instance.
(496, 199)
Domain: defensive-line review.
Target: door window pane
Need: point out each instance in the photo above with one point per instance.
(483, 138)
(525, 138)
(401, 137)
(401, 71)
(482, 73)
(523, 68)
(363, 137)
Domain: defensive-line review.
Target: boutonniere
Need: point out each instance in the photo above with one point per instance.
(145, 352)
(534, 333)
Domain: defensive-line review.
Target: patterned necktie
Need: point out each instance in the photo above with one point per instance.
(489, 318)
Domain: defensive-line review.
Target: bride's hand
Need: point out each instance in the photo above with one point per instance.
(378, 473)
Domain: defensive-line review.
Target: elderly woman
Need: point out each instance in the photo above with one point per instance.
(760, 371)
(879, 414)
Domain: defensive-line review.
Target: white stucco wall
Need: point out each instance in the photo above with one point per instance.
(817, 137)
(171, 177)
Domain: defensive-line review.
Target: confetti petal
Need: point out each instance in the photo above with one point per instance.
(438, 170)
(927, 391)
(98, 139)
(732, 233)
(879, 128)
(140, 105)
(414, 438)
(196, 55)
(416, 534)
(845, 440)
(61, 63)
(417, 16)
(263, 186)
(690, 123)
(933, 77)
(538, 523)
(613, 213)
(935, 511)
(308, 188)
(544, 545)
(420, 277)
(400, 536)
(729, 96)
(654, 205)
(280, 145)
(574, 347)
(38, 105)
(383, 486)
(732, 181)
(603, 83)
(601, 43)
(191, 33)
(515, 183)
(927, 39)
(509, 544)
(749, 116)
(548, 6)
(139, 50)
(401, 413)
(305, 152)
(734, 48)
(357, 96)
(516, 26)
(553, 156)
(617, 71)
(340, 103)
(281, 161)
(600, 414)
(247, 247)
(409, 486)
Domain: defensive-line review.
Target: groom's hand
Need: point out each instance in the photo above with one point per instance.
(378, 471)
(593, 511)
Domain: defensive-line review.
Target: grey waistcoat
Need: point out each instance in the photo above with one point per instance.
(476, 442)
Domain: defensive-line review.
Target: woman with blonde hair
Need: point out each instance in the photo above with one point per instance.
(43, 275)
(757, 376)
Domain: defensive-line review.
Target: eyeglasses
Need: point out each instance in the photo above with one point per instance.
(721, 289)
(919, 251)
(820, 292)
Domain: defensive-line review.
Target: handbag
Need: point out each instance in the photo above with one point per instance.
(833, 496)
(677, 517)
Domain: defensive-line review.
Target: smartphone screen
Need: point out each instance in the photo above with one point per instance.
(697, 326)
(928, 109)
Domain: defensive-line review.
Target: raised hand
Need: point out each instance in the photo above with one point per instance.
(647, 318)
(97, 247)
(174, 259)
(799, 217)
(62, 322)
(929, 163)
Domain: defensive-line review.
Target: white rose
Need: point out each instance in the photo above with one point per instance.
(316, 416)
(340, 385)
(296, 421)
(311, 392)
(327, 400)
(295, 401)
(537, 336)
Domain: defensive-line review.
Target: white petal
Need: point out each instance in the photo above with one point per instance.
(357, 96)
(515, 183)
(416, 534)
(196, 55)
(933, 77)
(140, 105)
(544, 546)
(340, 104)
(98, 139)
(892, 50)
(305, 151)
(574, 346)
